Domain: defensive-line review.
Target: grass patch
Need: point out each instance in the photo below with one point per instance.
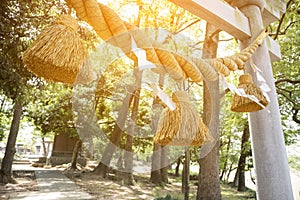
(294, 162)
(229, 193)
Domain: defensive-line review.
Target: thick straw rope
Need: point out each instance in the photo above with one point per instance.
(112, 29)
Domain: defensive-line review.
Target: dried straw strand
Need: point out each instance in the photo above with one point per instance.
(183, 126)
(58, 52)
(243, 104)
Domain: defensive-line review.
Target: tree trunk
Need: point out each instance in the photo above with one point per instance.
(6, 166)
(229, 172)
(178, 166)
(236, 178)
(243, 156)
(88, 148)
(164, 164)
(76, 150)
(186, 174)
(120, 165)
(128, 155)
(155, 165)
(209, 182)
(110, 149)
(2, 103)
(115, 138)
(44, 147)
(128, 161)
(155, 176)
(227, 155)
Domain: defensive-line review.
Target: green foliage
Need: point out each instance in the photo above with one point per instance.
(294, 162)
(51, 110)
(5, 115)
(20, 21)
(287, 71)
(49, 105)
(231, 128)
(229, 193)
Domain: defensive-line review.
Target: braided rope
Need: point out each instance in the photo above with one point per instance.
(111, 28)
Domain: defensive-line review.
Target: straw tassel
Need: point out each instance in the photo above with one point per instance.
(58, 53)
(244, 104)
(183, 126)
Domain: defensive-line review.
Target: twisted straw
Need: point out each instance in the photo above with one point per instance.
(109, 26)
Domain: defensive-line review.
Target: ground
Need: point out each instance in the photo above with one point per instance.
(25, 182)
(111, 188)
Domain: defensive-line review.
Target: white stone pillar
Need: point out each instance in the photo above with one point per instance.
(270, 158)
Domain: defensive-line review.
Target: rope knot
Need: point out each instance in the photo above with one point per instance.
(180, 96)
(68, 21)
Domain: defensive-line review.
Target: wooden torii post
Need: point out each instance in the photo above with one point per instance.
(245, 19)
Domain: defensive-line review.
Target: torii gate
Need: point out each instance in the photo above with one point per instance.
(245, 19)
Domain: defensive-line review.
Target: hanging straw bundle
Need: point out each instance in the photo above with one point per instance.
(58, 52)
(244, 104)
(183, 126)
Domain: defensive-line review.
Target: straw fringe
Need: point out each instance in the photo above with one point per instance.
(183, 126)
(57, 53)
(243, 104)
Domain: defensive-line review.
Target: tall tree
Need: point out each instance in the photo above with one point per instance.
(186, 174)
(128, 155)
(209, 184)
(19, 21)
(159, 172)
(245, 151)
(76, 151)
(155, 165)
(102, 167)
(232, 126)
(12, 79)
(239, 178)
(6, 167)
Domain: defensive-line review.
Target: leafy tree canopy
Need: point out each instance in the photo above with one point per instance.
(287, 71)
